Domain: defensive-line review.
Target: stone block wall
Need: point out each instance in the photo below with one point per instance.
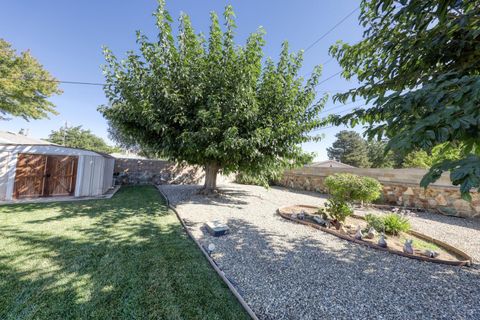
(145, 171)
(400, 187)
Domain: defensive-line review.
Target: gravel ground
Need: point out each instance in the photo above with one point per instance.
(290, 271)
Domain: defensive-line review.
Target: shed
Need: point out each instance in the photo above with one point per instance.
(31, 168)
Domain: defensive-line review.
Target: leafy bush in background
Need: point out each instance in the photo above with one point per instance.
(351, 187)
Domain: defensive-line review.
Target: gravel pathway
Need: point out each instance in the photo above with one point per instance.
(290, 271)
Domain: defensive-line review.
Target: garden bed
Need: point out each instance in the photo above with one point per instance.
(447, 254)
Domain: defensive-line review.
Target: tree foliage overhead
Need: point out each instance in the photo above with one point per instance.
(76, 137)
(419, 64)
(21, 92)
(211, 102)
(349, 148)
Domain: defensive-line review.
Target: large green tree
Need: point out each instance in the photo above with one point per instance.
(377, 156)
(211, 102)
(419, 65)
(76, 137)
(25, 85)
(349, 148)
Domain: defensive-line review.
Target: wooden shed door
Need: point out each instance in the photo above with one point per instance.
(30, 175)
(61, 175)
(42, 175)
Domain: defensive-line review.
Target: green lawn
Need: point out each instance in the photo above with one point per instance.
(123, 258)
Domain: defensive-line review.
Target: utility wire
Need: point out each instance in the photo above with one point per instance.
(331, 29)
(59, 81)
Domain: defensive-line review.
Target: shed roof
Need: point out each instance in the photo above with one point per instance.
(7, 137)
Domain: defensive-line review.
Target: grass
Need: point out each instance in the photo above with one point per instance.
(123, 258)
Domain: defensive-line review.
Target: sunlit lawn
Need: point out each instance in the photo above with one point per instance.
(123, 258)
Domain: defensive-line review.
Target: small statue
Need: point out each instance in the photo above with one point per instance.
(407, 247)
(359, 234)
(301, 215)
(371, 233)
(382, 242)
(431, 253)
(293, 216)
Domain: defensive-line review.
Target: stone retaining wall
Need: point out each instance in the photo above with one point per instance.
(144, 171)
(400, 187)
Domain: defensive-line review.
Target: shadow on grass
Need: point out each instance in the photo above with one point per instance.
(122, 258)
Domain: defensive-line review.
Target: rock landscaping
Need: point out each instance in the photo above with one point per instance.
(286, 270)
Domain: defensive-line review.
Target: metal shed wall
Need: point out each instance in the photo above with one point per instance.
(94, 172)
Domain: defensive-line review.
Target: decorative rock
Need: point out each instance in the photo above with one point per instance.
(407, 247)
(359, 234)
(320, 220)
(371, 233)
(216, 228)
(382, 242)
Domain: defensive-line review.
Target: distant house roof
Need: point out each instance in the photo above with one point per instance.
(7, 137)
(329, 164)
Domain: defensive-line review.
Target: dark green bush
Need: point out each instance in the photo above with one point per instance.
(351, 187)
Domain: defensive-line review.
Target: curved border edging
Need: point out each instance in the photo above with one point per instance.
(230, 286)
(466, 262)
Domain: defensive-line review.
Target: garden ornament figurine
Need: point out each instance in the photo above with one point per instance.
(371, 233)
(382, 242)
(407, 247)
(359, 234)
(431, 253)
(301, 215)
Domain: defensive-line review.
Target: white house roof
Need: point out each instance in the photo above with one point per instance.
(329, 164)
(7, 137)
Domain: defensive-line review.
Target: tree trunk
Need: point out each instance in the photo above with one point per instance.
(211, 171)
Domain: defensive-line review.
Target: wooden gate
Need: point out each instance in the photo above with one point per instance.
(44, 175)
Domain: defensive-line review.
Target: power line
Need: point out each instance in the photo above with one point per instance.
(340, 106)
(331, 29)
(59, 81)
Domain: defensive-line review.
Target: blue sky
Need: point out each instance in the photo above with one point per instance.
(67, 36)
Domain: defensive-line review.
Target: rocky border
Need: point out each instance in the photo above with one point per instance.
(467, 260)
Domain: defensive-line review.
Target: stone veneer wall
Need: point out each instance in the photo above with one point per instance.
(400, 187)
(144, 171)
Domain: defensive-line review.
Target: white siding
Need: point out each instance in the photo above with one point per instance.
(108, 174)
(4, 159)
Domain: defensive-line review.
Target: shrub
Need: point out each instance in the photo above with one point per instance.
(376, 222)
(394, 224)
(338, 209)
(245, 178)
(351, 187)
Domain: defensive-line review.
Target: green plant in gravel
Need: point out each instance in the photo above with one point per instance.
(394, 224)
(338, 209)
(375, 221)
(391, 223)
(351, 187)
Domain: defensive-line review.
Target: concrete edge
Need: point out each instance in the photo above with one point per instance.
(230, 286)
(107, 195)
